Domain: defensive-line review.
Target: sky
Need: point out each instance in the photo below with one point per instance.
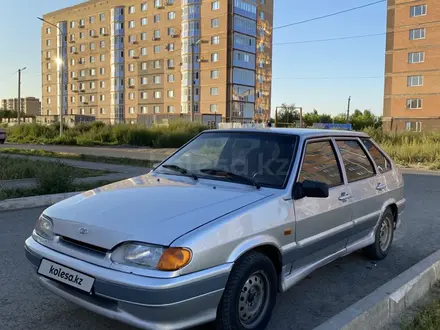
(298, 69)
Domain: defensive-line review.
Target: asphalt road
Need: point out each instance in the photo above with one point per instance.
(26, 305)
(117, 151)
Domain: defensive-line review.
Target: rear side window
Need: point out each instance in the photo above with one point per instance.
(357, 164)
(320, 164)
(383, 164)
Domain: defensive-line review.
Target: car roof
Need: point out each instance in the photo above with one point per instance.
(303, 132)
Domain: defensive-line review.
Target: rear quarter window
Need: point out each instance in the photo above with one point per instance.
(382, 162)
(356, 162)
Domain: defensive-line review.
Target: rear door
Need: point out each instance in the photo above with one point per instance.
(367, 186)
(322, 224)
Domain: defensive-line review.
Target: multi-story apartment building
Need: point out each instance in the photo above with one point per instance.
(30, 106)
(117, 60)
(412, 68)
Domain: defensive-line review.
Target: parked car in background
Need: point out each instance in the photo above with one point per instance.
(219, 228)
(2, 135)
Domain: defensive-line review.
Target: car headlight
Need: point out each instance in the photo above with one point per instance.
(152, 256)
(44, 228)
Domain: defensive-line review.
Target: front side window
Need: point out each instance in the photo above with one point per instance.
(357, 164)
(238, 157)
(382, 162)
(320, 164)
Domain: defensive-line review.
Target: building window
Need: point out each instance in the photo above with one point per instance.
(72, 25)
(132, 110)
(171, 93)
(102, 84)
(92, 98)
(131, 82)
(144, 80)
(144, 21)
(49, 77)
(144, 66)
(92, 33)
(102, 17)
(144, 51)
(261, 14)
(156, 79)
(170, 63)
(92, 85)
(171, 15)
(131, 24)
(214, 91)
(92, 46)
(170, 78)
(102, 44)
(102, 57)
(213, 107)
(156, 64)
(170, 109)
(81, 35)
(93, 72)
(157, 94)
(413, 126)
(92, 19)
(417, 57)
(81, 22)
(215, 23)
(131, 10)
(156, 109)
(215, 5)
(131, 96)
(156, 34)
(214, 57)
(144, 36)
(215, 40)
(82, 73)
(157, 3)
(102, 31)
(156, 49)
(419, 10)
(144, 95)
(144, 109)
(170, 47)
(144, 6)
(415, 34)
(171, 31)
(82, 48)
(102, 111)
(102, 97)
(414, 103)
(156, 18)
(415, 81)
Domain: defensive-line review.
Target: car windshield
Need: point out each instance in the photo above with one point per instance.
(258, 158)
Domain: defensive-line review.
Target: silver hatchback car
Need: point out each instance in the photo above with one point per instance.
(219, 228)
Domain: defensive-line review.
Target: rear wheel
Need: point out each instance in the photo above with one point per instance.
(383, 237)
(250, 294)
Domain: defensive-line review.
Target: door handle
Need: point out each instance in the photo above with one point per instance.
(380, 186)
(344, 197)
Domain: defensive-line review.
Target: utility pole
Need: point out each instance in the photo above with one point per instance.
(348, 110)
(19, 95)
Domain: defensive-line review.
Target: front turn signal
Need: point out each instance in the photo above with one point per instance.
(174, 258)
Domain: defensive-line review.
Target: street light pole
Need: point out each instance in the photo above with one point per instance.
(348, 110)
(19, 95)
(60, 64)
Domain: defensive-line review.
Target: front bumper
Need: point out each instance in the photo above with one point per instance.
(145, 302)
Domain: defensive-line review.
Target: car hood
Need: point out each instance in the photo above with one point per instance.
(147, 209)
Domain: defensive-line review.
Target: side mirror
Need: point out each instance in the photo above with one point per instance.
(309, 188)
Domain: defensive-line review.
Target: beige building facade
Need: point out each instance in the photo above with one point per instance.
(412, 66)
(30, 106)
(118, 60)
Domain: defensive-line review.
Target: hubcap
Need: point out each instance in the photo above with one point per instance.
(253, 299)
(386, 230)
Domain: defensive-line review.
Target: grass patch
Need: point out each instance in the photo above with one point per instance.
(28, 192)
(428, 317)
(22, 168)
(173, 136)
(73, 156)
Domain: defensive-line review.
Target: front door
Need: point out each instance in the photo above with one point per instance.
(322, 224)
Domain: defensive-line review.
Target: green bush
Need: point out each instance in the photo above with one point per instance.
(97, 133)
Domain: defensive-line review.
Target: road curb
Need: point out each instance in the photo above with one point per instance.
(387, 303)
(34, 201)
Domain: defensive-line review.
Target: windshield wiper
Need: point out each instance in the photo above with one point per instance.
(218, 172)
(181, 170)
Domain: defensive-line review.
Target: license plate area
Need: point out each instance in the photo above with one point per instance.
(66, 275)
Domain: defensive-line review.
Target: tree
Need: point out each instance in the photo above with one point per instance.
(287, 114)
(361, 120)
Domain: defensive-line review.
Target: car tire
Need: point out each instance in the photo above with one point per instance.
(2, 141)
(383, 237)
(252, 288)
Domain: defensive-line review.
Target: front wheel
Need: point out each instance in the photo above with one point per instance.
(250, 294)
(383, 237)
